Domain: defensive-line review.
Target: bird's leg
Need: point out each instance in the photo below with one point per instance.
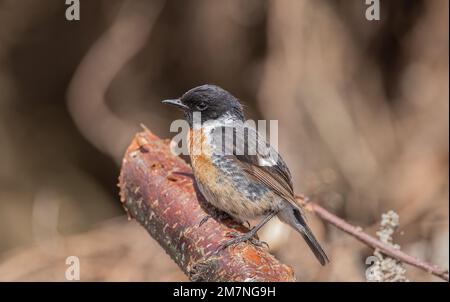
(250, 234)
(204, 219)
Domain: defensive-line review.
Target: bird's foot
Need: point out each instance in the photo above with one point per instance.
(239, 237)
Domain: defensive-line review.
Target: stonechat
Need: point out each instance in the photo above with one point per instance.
(235, 168)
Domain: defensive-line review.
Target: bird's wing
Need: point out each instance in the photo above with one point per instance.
(246, 147)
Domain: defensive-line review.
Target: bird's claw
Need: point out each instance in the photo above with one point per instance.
(238, 238)
(263, 243)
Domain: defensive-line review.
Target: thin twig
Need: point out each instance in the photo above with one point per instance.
(358, 233)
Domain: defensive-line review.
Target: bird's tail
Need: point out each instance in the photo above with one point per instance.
(295, 219)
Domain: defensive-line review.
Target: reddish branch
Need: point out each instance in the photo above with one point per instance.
(371, 241)
(157, 189)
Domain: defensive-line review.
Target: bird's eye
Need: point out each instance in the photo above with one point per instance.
(202, 106)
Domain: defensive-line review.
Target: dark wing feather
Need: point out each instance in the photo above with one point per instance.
(274, 174)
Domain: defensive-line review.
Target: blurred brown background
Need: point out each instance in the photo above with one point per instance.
(362, 109)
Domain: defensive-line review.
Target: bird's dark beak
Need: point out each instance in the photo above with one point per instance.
(175, 102)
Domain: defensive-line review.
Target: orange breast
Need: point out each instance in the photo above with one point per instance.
(200, 153)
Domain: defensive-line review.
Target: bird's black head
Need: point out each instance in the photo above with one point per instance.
(212, 102)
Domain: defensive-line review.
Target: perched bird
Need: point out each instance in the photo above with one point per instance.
(236, 170)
